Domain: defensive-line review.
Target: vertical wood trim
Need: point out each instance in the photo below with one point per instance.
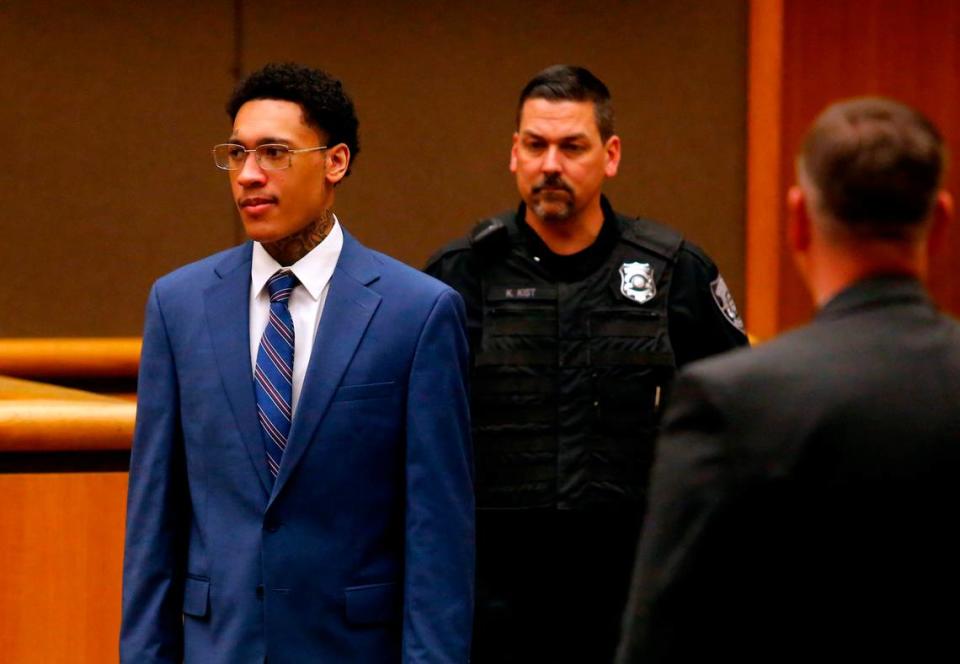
(764, 197)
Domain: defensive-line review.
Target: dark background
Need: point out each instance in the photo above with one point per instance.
(110, 110)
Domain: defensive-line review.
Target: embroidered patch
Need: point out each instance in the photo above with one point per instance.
(724, 300)
(520, 293)
(637, 282)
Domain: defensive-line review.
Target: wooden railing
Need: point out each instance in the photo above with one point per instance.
(106, 365)
(63, 455)
(36, 417)
(99, 357)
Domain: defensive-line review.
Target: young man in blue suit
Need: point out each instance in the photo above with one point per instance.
(300, 482)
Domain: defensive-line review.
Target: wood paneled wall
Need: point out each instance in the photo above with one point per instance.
(805, 54)
(110, 110)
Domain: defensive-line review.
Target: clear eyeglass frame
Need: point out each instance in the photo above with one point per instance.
(269, 156)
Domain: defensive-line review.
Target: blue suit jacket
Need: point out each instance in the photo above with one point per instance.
(362, 549)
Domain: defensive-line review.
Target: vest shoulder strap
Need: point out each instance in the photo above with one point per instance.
(491, 236)
(651, 235)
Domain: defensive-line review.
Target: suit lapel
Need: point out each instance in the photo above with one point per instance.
(346, 314)
(228, 319)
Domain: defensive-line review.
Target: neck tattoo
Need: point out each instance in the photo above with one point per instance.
(289, 250)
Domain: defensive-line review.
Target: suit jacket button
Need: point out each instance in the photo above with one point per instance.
(260, 591)
(271, 526)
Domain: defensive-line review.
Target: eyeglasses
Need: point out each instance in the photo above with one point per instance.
(269, 156)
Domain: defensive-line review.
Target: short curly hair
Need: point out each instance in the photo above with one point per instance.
(326, 105)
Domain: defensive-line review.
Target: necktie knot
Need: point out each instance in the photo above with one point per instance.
(281, 284)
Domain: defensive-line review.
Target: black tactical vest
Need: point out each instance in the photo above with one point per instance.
(569, 375)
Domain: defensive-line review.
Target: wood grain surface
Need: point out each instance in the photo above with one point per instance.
(60, 567)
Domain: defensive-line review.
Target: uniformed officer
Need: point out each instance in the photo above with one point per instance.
(578, 318)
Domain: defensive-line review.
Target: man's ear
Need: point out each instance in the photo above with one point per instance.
(798, 221)
(940, 224)
(338, 161)
(513, 152)
(612, 148)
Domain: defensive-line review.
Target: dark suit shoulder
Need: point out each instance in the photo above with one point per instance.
(778, 358)
(885, 369)
(754, 381)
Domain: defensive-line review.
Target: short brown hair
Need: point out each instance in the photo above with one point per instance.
(876, 164)
(570, 83)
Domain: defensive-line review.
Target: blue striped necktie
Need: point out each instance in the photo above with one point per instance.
(273, 376)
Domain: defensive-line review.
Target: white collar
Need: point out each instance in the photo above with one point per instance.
(313, 270)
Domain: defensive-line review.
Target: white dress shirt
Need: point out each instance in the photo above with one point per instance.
(306, 300)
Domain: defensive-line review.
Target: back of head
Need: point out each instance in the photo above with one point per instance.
(571, 83)
(876, 166)
(326, 105)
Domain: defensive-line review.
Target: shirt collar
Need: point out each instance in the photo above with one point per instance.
(573, 267)
(874, 291)
(313, 270)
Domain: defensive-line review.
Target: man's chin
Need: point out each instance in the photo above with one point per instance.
(261, 231)
(552, 212)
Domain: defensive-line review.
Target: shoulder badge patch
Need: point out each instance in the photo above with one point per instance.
(637, 282)
(724, 300)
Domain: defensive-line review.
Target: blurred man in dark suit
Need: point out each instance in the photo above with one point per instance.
(804, 494)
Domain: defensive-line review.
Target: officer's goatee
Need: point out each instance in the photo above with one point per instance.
(552, 198)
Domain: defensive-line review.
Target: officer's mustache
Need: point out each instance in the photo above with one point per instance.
(553, 181)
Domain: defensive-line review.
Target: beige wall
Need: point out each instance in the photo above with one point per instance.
(110, 109)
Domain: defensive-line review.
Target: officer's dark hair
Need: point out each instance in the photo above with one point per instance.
(876, 165)
(570, 83)
(326, 105)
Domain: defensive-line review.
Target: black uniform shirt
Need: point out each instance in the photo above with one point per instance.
(701, 321)
(552, 579)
